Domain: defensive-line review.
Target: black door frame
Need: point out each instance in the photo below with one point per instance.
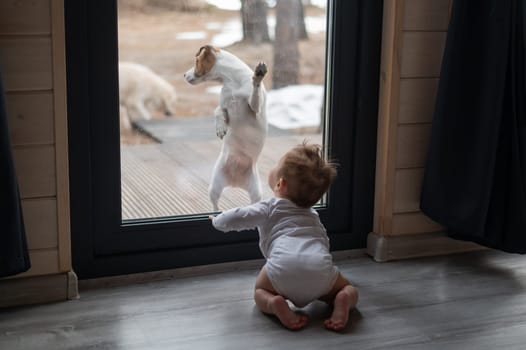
(102, 246)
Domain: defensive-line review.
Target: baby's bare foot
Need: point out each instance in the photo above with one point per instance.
(288, 318)
(343, 302)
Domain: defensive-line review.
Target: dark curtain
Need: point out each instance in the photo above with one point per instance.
(14, 256)
(475, 176)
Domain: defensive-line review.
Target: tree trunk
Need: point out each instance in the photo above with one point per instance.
(254, 20)
(286, 50)
(302, 27)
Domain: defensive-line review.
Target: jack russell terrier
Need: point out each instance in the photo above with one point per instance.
(240, 119)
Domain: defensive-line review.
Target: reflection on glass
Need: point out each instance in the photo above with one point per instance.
(168, 134)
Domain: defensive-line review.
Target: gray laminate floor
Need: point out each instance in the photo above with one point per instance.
(469, 301)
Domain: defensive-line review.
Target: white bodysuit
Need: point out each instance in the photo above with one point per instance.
(293, 241)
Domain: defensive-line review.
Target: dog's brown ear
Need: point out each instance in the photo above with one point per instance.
(199, 51)
(205, 60)
(207, 48)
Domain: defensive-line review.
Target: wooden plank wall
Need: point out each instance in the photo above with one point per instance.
(32, 57)
(413, 43)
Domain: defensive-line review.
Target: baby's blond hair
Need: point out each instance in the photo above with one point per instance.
(307, 174)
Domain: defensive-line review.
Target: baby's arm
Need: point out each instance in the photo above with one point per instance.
(240, 219)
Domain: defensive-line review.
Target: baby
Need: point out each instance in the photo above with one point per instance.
(294, 242)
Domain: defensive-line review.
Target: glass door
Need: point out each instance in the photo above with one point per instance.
(143, 141)
(168, 136)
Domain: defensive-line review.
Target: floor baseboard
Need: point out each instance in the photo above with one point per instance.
(388, 248)
(144, 277)
(38, 289)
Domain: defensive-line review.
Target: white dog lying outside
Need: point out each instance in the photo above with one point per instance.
(240, 119)
(142, 93)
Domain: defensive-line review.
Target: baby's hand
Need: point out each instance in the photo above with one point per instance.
(211, 217)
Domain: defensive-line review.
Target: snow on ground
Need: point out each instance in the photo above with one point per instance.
(190, 35)
(291, 107)
(295, 106)
(232, 32)
(234, 5)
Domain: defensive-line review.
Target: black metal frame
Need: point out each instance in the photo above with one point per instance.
(103, 246)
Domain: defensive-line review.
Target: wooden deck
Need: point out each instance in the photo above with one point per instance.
(171, 178)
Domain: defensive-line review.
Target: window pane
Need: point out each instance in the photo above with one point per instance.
(168, 130)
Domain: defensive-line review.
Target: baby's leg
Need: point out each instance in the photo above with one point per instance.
(344, 297)
(270, 302)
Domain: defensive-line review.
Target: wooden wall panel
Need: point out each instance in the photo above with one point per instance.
(40, 219)
(32, 56)
(412, 145)
(416, 31)
(35, 169)
(417, 100)
(422, 54)
(426, 15)
(408, 185)
(387, 116)
(25, 17)
(27, 63)
(411, 223)
(61, 133)
(31, 118)
(43, 262)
